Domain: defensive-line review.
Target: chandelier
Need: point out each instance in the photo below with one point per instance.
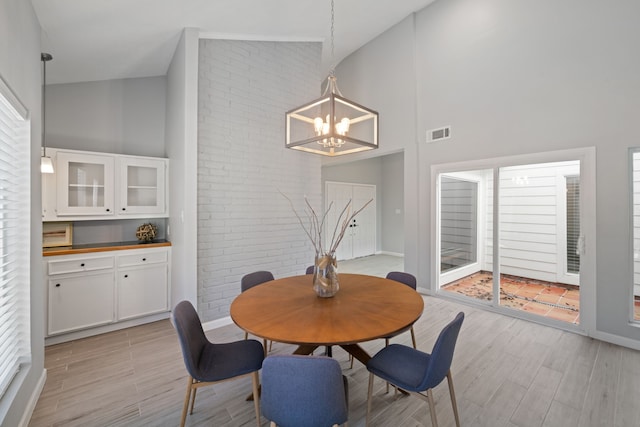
(331, 125)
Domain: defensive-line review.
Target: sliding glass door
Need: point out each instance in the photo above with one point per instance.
(536, 266)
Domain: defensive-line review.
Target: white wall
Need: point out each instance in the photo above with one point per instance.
(20, 68)
(386, 173)
(244, 224)
(124, 116)
(181, 130)
(382, 76)
(392, 202)
(513, 78)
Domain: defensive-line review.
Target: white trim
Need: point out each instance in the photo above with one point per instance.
(70, 336)
(617, 339)
(13, 100)
(398, 254)
(33, 400)
(256, 37)
(218, 323)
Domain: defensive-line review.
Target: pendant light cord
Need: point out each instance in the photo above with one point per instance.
(44, 57)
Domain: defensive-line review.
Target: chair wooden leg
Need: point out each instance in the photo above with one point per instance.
(246, 335)
(413, 338)
(272, 424)
(369, 396)
(256, 395)
(193, 399)
(270, 345)
(386, 344)
(453, 398)
(187, 398)
(432, 408)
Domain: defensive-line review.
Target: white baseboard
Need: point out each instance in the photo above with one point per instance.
(218, 323)
(84, 333)
(616, 339)
(33, 400)
(398, 254)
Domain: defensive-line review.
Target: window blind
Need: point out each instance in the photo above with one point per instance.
(573, 223)
(15, 347)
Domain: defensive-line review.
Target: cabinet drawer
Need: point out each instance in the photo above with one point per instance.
(79, 265)
(142, 258)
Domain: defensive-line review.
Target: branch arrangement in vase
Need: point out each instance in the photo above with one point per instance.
(315, 224)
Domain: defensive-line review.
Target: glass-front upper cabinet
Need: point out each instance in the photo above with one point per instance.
(141, 185)
(85, 184)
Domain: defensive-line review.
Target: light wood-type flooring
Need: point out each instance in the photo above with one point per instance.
(507, 372)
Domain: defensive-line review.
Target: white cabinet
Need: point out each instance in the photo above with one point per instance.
(96, 186)
(142, 185)
(81, 293)
(90, 290)
(85, 184)
(142, 284)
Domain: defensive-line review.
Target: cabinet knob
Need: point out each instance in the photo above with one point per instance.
(144, 259)
(126, 275)
(108, 210)
(82, 265)
(124, 209)
(57, 285)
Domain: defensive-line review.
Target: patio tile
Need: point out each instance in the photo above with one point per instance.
(554, 290)
(537, 308)
(513, 303)
(521, 293)
(573, 294)
(552, 298)
(564, 301)
(529, 291)
(564, 315)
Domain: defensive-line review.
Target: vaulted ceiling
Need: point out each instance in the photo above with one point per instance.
(112, 39)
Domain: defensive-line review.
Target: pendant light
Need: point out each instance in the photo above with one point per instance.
(46, 165)
(331, 125)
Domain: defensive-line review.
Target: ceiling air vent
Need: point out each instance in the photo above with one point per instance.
(438, 134)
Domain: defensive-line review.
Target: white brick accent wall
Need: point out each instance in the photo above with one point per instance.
(244, 224)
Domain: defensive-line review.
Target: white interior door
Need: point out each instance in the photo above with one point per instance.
(360, 238)
(363, 226)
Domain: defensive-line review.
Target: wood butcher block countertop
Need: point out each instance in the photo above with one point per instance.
(102, 247)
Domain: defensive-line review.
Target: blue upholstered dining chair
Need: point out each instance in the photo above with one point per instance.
(256, 278)
(250, 280)
(417, 372)
(305, 391)
(208, 363)
(310, 269)
(409, 280)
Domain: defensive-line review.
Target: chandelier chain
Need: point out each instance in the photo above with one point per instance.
(333, 65)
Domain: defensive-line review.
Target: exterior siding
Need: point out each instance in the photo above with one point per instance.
(531, 200)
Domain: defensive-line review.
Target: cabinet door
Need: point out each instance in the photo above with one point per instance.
(85, 184)
(142, 291)
(142, 186)
(80, 301)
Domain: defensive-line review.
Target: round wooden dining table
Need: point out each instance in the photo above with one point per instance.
(365, 308)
